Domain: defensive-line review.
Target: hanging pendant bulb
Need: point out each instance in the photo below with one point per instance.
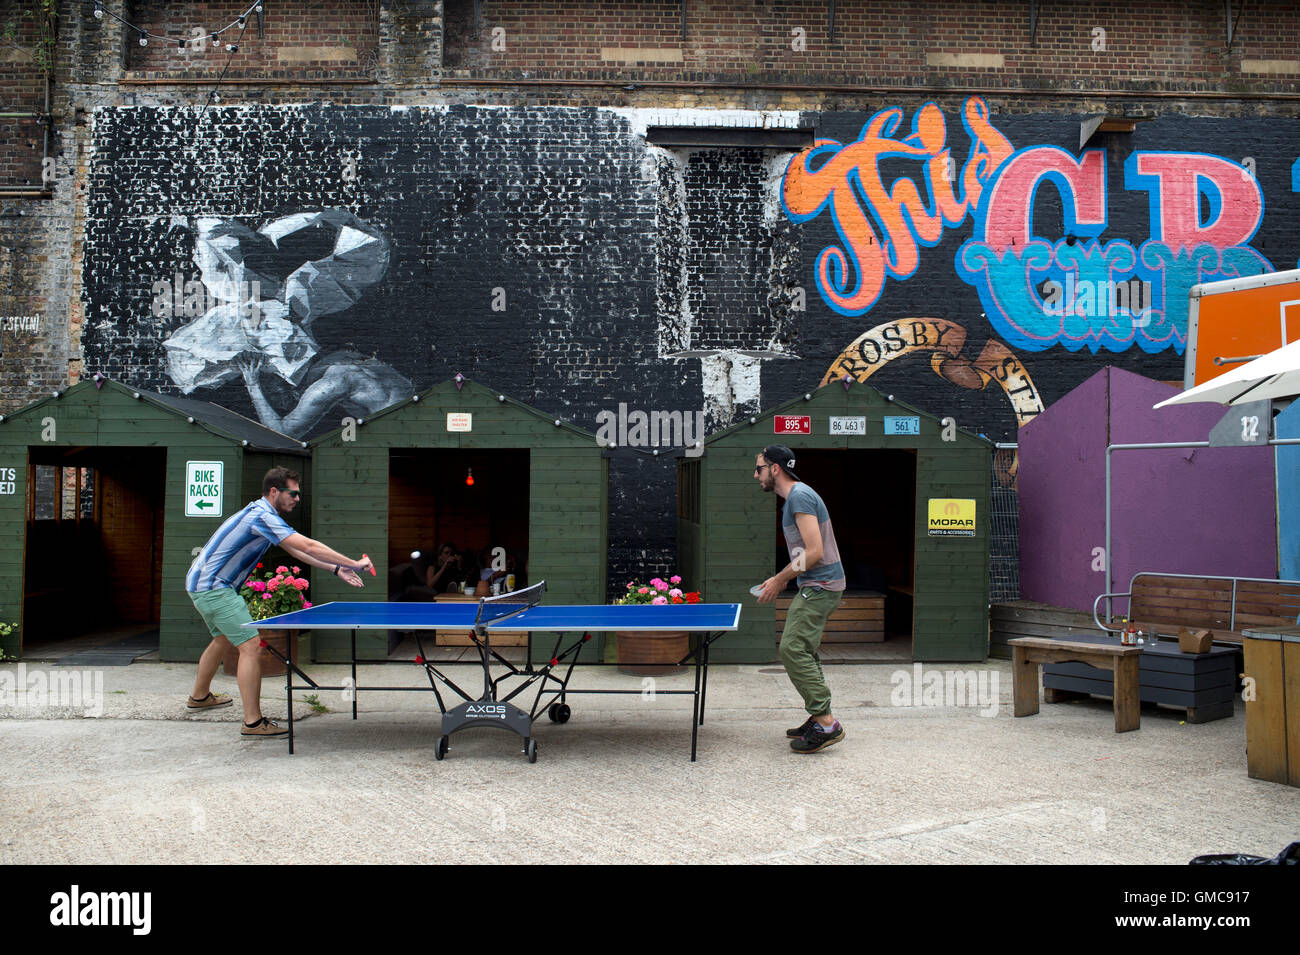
(144, 40)
(99, 10)
(469, 477)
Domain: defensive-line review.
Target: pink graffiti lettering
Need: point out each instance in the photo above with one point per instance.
(1082, 184)
(1177, 181)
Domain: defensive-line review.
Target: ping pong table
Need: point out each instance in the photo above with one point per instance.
(491, 706)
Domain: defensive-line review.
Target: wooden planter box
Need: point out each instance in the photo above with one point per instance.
(652, 654)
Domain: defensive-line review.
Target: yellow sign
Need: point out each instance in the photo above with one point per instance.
(952, 517)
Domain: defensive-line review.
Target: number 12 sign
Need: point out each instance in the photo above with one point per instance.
(792, 424)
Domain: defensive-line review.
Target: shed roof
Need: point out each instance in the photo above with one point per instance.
(219, 421)
(454, 386)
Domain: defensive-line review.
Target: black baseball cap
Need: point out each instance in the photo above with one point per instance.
(780, 454)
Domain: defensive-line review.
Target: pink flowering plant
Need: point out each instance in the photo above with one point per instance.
(658, 591)
(269, 594)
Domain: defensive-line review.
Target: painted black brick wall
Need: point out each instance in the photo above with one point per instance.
(581, 228)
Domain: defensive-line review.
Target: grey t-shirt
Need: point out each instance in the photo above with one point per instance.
(827, 573)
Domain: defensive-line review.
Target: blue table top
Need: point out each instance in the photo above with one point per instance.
(373, 615)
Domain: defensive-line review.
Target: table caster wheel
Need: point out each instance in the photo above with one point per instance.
(440, 748)
(550, 712)
(531, 749)
(562, 713)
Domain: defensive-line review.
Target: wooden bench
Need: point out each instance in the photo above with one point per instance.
(1164, 603)
(860, 617)
(1029, 653)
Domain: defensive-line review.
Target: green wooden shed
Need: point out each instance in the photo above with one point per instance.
(108, 492)
(881, 466)
(465, 465)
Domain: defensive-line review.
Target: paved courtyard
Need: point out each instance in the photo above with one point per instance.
(146, 782)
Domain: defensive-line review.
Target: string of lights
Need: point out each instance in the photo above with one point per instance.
(214, 36)
(215, 96)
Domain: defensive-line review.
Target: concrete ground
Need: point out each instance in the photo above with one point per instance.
(147, 782)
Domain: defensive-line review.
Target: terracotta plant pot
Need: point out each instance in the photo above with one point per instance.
(271, 666)
(652, 654)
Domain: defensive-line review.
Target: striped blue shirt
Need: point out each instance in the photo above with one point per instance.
(233, 551)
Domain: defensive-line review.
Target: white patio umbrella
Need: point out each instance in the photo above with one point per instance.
(1275, 375)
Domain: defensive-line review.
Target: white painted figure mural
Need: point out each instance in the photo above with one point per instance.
(270, 287)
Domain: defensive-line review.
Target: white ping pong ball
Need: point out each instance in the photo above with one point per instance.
(415, 555)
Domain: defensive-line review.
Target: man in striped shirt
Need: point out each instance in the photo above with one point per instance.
(213, 583)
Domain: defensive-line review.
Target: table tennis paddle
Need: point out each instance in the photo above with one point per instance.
(372, 566)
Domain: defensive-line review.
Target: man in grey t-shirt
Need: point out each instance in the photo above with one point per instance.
(815, 561)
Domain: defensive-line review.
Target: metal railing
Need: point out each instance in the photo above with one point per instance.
(1232, 608)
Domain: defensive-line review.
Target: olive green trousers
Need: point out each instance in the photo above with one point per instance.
(800, 640)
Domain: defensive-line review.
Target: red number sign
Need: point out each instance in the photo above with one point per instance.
(792, 424)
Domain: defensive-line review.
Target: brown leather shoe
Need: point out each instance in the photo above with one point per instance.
(209, 701)
(263, 728)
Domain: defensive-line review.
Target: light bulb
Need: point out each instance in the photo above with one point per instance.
(99, 12)
(469, 477)
(144, 40)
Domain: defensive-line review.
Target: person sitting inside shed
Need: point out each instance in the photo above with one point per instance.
(428, 574)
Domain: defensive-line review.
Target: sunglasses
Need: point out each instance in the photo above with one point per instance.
(293, 494)
(759, 467)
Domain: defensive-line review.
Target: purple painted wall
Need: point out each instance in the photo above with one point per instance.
(1190, 511)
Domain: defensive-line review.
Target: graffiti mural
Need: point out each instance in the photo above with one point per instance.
(944, 341)
(1037, 290)
(268, 288)
(847, 181)
(1203, 212)
(1069, 259)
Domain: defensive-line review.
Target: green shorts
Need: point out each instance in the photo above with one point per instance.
(224, 611)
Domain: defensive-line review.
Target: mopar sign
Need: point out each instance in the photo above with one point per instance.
(951, 517)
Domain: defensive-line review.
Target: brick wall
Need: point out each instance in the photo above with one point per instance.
(298, 40)
(609, 256)
(22, 90)
(1165, 45)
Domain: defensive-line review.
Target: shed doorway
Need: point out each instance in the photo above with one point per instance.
(92, 562)
(471, 502)
(871, 497)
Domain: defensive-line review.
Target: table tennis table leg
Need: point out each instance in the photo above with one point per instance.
(288, 689)
(704, 683)
(697, 712)
(354, 674)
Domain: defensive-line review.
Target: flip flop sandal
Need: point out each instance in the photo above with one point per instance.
(209, 701)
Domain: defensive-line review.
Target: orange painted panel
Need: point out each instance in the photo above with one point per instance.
(1241, 323)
